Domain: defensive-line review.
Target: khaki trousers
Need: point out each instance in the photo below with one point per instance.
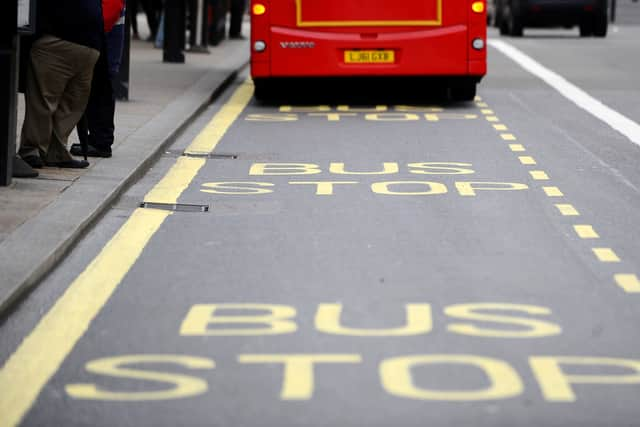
(57, 90)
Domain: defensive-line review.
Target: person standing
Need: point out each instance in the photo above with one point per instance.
(58, 82)
(153, 10)
(132, 12)
(96, 129)
(237, 9)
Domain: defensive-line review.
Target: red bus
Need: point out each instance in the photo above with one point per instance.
(352, 38)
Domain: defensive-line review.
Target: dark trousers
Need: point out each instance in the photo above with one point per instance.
(97, 127)
(132, 11)
(153, 10)
(237, 11)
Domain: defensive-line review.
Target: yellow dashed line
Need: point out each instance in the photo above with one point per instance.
(527, 160)
(628, 282)
(606, 255)
(567, 210)
(586, 232)
(432, 117)
(539, 175)
(553, 191)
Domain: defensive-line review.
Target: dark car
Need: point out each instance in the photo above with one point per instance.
(512, 16)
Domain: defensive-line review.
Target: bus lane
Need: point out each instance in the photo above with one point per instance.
(355, 265)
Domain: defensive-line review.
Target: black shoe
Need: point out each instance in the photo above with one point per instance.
(33, 161)
(21, 169)
(237, 37)
(71, 164)
(76, 150)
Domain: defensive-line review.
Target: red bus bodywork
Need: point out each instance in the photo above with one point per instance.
(313, 38)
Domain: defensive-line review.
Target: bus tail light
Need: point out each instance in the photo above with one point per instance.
(259, 9)
(477, 6)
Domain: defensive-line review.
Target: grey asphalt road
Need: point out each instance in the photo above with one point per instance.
(367, 265)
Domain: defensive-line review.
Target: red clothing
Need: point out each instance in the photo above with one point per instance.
(111, 11)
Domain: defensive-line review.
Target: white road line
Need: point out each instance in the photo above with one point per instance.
(582, 99)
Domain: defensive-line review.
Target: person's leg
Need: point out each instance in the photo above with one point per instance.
(237, 12)
(152, 19)
(132, 11)
(101, 111)
(82, 129)
(47, 77)
(99, 114)
(73, 102)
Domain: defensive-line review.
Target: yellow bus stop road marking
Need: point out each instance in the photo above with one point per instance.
(567, 209)
(629, 282)
(41, 353)
(539, 175)
(552, 191)
(585, 231)
(606, 255)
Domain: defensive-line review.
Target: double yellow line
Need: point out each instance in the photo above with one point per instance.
(42, 352)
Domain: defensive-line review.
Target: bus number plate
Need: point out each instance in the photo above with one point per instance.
(369, 56)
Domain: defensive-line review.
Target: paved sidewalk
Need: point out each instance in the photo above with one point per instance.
(42, 218)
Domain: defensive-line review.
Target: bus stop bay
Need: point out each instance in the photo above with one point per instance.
(378, 113)
(559, 379)
(407, 184)
(370, 117)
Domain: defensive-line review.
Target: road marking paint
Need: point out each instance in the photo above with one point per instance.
(482, 104)
(553, 191)
(207, 140)
(432, 117)
(606, 255)
(629, 282)
(585, 231)
(300, 109)
(333, 117)
(176, 181)
(41, 353)
(527, 160)
(487, 112)
(582, 99)
(567, 209)
(539, 175)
